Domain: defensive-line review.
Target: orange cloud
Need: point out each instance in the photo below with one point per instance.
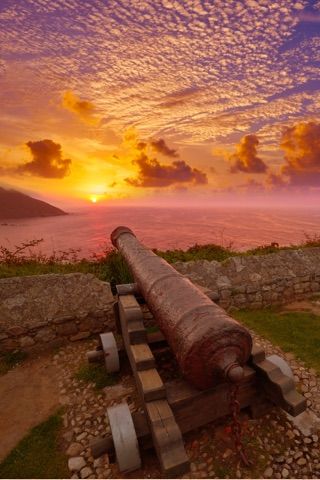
(46, 160)
(83, 108)
(160, 146)
(153, 174)
(245, 159)
(301, 144)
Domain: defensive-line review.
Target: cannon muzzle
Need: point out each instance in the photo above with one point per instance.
(209, 345)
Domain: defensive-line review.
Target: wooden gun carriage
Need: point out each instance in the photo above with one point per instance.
(214, 353)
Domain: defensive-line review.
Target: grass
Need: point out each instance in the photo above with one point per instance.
(38, 454)
(209, 252)
(11, 359)
(96, 374)
(296, 332)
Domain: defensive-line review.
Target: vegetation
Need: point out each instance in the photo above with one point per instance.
(96, 374)
(198, 252)
(110, 266)
(9, 360)
(296, 332)
(38, 454)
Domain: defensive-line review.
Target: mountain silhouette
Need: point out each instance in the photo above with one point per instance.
(14, 204)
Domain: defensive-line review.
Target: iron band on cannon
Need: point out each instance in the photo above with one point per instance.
(214, 352)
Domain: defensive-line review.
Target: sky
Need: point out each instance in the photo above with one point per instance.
(160, 101)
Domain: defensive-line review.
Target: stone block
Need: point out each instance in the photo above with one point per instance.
(26, 342)
(240, 298)
(45, 334)
(62, 319)
(85, 324)
(67, 329)
(80, 336)
(10, 344)
(253, 288)
(224, 294)
(16, 331)
(239, 289)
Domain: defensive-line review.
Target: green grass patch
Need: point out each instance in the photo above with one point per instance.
(208, 252)
(11, 359)
(38, 455)
(96, 373)
(296, 332)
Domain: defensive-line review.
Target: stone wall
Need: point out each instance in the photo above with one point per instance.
(46, 310)
(259, 280)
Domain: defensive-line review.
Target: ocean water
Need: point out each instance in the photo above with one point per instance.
(166, 228)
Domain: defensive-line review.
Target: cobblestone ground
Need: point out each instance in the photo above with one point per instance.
(275, 445)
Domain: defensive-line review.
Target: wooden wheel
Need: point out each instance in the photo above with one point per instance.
(124, 438)
(110, 351)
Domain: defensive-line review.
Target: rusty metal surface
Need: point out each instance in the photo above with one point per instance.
(209, 345)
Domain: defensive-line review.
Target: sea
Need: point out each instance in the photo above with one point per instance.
(88, 230)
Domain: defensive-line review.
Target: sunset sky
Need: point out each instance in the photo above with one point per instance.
(144, 101)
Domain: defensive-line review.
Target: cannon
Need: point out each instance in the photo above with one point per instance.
(208, 344)
(222, 370)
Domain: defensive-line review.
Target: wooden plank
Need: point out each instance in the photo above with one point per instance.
(194, 408)
(150, 384)
(167, 439)
(142, 356)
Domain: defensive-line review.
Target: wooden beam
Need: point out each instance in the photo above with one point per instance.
(142, 356)
(131, 314)
(127, 289)
(279, 388)
(167, 439)
(150, 385)
(194, 408)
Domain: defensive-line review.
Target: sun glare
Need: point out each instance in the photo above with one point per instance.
(94, 198)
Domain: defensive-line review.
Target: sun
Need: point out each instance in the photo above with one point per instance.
(94, 198)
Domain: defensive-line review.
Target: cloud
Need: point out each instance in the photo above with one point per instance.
(301, 144)
(245, 159)
(154, 174)
(83, 108)
(274, 181)
(46, 160)
(160, 146)
(180, 97)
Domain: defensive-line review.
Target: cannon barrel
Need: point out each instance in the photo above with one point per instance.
(209, 345)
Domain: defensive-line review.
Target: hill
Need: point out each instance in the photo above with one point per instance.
(14, 204)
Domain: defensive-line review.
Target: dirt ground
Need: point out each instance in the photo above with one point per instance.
(29, 394)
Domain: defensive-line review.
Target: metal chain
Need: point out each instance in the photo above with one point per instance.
(236, 425)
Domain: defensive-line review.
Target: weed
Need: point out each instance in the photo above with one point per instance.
(11, 359)
(96, 374)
